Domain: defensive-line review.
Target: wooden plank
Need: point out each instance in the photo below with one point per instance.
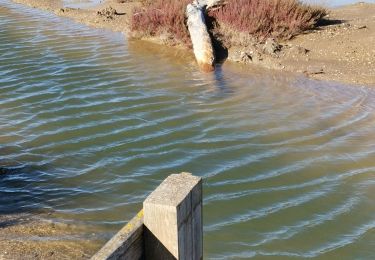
(126, 244)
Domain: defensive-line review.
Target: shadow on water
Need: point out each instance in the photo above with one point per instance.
(19, 190)
(21, 193)
(220, 84)
(9, 220)
(215, 81)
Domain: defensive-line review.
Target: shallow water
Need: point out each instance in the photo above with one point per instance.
(91, 123)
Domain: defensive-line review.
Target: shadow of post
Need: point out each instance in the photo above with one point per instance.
(155, 249)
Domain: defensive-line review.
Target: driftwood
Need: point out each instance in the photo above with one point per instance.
(202, 45)
(211, 3)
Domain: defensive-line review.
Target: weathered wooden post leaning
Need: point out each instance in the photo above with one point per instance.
(200, 37)
(168, 227)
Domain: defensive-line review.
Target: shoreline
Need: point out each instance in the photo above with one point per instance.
(340, 50)
(40, 236)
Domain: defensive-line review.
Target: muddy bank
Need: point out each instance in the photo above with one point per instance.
(112, 14)
(340, 49)
(30, 232)
(26, 236)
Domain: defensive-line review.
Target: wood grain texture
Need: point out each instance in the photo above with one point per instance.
(200, 38)
(173, 214)
(126, 244)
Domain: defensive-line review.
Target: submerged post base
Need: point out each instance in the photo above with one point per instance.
(202, 44)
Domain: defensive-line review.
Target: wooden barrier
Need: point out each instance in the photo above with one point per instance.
(126, 244)
(168, 227)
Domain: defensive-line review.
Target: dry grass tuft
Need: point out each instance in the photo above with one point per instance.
(162, 18)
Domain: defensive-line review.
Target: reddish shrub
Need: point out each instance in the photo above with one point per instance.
(265, 18)
(158, 17)
(238, 20)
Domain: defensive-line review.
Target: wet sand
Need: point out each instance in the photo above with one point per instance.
(343, 51)
(30, 236)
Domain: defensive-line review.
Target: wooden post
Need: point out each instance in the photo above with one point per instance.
(168, 227)
(202, 45)
(173, 215)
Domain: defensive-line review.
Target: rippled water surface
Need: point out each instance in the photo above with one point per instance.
(90, 124)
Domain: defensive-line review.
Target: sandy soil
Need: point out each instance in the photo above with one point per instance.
(340, 50)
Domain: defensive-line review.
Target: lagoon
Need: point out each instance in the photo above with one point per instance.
(90, 123)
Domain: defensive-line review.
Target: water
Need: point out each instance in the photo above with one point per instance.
(90, 124)
(81, 3)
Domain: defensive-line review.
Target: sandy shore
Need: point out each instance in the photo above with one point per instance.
(340, 50)
(100, 16)
(30, 236)
(343, 51)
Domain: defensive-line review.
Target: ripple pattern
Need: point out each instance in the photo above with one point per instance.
(91, 123)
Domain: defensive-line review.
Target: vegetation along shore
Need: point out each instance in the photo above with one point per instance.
(286, 35)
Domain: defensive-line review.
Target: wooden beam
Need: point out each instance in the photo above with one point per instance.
(200, 38)
(173, 215)
(126, 244)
